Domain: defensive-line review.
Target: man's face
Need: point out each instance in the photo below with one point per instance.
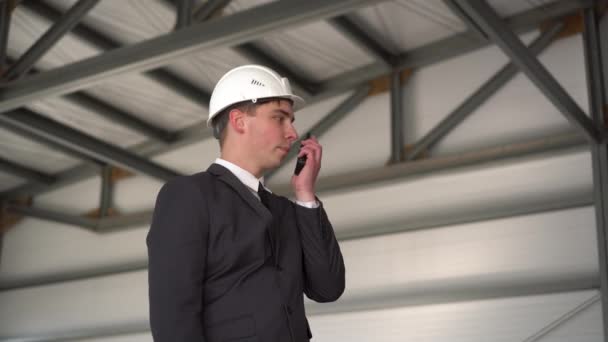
(271, 133)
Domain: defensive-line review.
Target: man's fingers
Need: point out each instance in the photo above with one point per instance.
(312, 151)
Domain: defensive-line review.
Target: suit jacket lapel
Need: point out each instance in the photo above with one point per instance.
(229, 178)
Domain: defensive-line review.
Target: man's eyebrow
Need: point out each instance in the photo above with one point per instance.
(286, 113)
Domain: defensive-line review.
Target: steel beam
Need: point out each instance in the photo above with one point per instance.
(476, 31)
(49, 215)
(107, 190)
(596, 75)
(184, 14)
(25, 172)
(299, 84)
(511, 45)
(188, 136)
(426, 55)
(396, 118)
(209, 8)
(395, 172)
(102, 225)
(5, 25)
(328, 121)
(251, 52)
(1, 246)
(89, 162)
(125, 221)
(116, 115)
(228, 31)
(450, 47)
(482, 94)
(102, 42)
(50, 37)
(362, 39)
(77, 141)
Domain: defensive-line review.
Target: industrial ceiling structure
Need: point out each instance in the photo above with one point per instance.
(102, 89)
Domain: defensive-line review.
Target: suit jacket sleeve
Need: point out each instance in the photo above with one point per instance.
(176, 262)
(323, 263)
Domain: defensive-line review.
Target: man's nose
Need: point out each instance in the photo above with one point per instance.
(291, 134)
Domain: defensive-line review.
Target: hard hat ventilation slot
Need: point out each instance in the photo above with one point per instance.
(258, 83)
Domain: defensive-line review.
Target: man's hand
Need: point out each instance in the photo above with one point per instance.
(304, 184)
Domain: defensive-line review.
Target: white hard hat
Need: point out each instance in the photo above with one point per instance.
(249, 83)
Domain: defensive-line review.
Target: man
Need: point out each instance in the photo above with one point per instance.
(228, 260)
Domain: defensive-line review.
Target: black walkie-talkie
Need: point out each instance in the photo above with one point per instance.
(301, 160)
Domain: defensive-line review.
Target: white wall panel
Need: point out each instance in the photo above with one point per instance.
(8, 181)
(35, 248)
(80, 305)
(547, 247)
(520, 111)
(509, 252)
(136, 193)
(508, 320)
(121, 338)
(78, 198)
(456, 322)
(462, 191)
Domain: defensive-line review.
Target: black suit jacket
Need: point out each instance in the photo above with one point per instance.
(222, 267)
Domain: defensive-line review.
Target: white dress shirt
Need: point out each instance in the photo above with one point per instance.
(252, 182)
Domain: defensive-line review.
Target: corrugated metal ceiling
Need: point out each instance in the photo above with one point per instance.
(315, 51)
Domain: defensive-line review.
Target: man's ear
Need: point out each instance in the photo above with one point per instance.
(236, 118)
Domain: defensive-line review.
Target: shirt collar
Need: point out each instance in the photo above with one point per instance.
(243, 175)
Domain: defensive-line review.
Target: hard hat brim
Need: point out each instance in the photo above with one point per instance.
(297, 103)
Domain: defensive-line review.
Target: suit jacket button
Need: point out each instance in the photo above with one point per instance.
(289, 311)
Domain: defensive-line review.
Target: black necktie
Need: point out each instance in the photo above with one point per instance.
(264, 195)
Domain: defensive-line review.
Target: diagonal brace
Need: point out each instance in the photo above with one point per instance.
(482, 94)
(50, 37)
(510, 44)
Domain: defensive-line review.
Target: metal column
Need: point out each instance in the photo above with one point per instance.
(596, 75)
(184, 14)
(107, 190)
(396, 118)
(5, 24)
(207, 10)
